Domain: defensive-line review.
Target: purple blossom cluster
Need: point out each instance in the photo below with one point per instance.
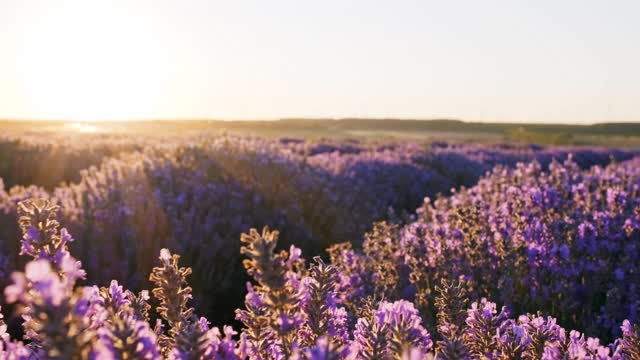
(291, 311)
(62, 320)
(562, 241)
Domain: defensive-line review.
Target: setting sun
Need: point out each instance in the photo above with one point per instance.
(83, 67)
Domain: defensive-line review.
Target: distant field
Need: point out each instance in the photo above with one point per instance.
(612, 134)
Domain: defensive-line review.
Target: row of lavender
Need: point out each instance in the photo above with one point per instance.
(291, 311)
(197, 199)
(48, 159)
(565, 242)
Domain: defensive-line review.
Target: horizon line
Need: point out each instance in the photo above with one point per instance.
(302, 118)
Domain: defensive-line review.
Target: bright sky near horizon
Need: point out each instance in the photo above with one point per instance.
(575, 61)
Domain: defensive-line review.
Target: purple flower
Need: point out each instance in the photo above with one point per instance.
(287, 323)
(294, 255)
(325, 350)
(31, 236)
(395, 327)
(40, 277)
(165, 256)
(125, 337)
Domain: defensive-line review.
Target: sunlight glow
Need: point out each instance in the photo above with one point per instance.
(100, 67)
(82, 128)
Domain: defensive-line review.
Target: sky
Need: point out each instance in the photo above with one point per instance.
(518, 61)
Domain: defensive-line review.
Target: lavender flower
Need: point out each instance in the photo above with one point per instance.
(482, 322)
(325, 349)
(42, 238)
(452, 313)
(272, 324)
(323, 316)
(124, 337)
(55, 315)
(170, 291)
(630, 344)
(391, 330)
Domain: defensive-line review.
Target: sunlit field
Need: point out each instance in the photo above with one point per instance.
(319, 180)
(360, 238)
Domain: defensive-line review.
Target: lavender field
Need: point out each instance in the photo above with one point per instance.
(227, 246)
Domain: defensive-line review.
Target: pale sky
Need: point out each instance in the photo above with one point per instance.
(543, 60)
